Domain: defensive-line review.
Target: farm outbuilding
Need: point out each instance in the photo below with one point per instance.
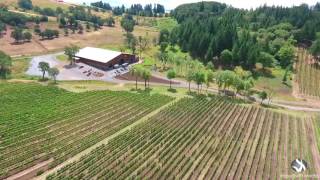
(104, 59)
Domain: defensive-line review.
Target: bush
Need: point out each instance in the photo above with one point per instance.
(39, 173)
(25, 4)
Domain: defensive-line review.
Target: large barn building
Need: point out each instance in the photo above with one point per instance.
(104, 59)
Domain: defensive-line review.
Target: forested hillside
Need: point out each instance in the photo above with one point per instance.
(266, 35)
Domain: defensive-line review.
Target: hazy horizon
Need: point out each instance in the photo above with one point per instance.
(170, 4)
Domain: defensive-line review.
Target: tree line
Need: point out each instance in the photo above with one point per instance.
(148, 10)
(72, 15)
(227, 36)
(17, 19)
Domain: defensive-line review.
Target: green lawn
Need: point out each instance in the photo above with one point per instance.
(274, 82)
(166, 23)
(62, 57)
(19, 67)
(84, 86)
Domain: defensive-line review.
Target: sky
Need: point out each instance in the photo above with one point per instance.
(171, 4)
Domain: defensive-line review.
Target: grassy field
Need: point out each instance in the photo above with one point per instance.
(41, 3)
(202, 138)
(105, 37)
(62, 57)
(166, 23)
(84, 86)
(272, 82)
(40, 123)
(19, 67)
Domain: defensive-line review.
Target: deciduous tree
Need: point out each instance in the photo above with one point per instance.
(199, 78)
(17, 34)
(143, 43)
(71, 51)
(25, 4)
(146, 75)
(110, 21)
(171, 74)
(226, 57)
(286, 55)
(136, 71)
(190, 77)
(44, 67)
(27, 36)
(209, 77)
(263, 96)
(128, 23)
(54, 72)
(266, 59)
(5, 65)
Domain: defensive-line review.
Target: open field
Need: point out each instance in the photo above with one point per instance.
(273, 83)
(41, 3)
(201, 138)
(166, 23)
(47, 124)
(19, 67)
(106, 37)
(308, 75)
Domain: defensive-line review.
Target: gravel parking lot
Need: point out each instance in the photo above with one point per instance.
(79, 71)
(33, 68)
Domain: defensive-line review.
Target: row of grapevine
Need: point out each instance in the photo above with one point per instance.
(308, 74)
(200, 138)
(59, 127)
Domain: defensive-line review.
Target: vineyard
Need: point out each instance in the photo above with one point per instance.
(308, 74)
(39, 123)
(202, 138)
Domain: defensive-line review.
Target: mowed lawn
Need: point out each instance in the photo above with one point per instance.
(42, 123)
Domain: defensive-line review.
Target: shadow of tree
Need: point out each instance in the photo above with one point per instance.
(172, 90)
(263, 73)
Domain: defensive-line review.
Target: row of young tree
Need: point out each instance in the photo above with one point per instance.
(17, 19)
(178, 65)
(266, 35)
(53, 72)
(239, 80)
(141, 72)
(66, 18)
(148, 10)
(19, 35)
(140, 43)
